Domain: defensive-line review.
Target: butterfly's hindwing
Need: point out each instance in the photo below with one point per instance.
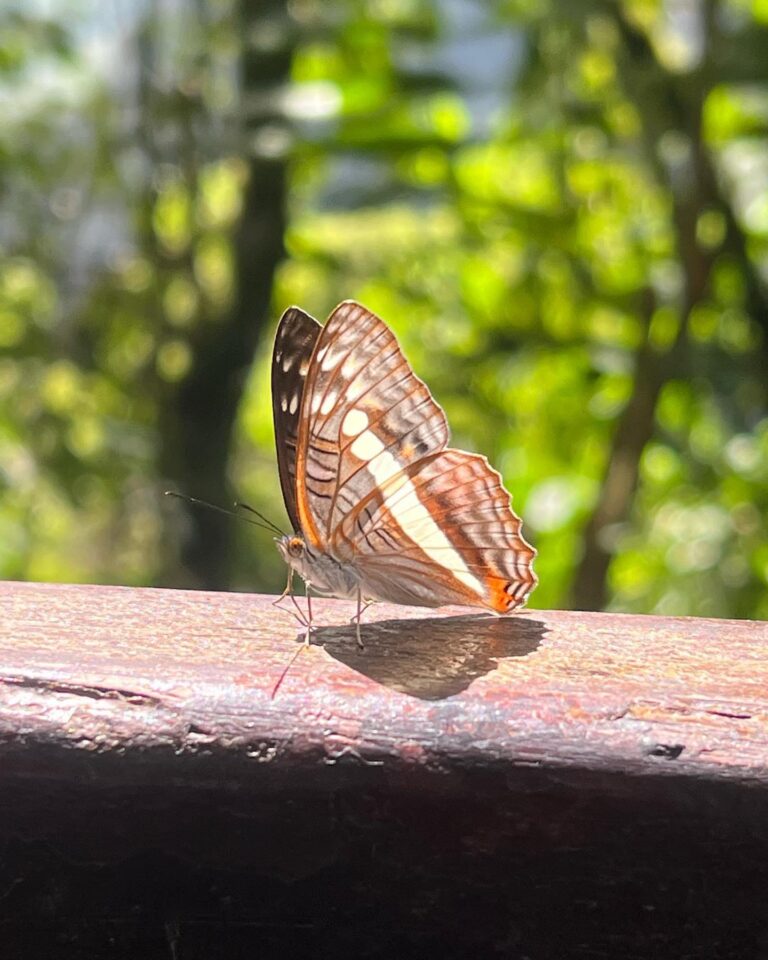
(442, 530)
(295, 340)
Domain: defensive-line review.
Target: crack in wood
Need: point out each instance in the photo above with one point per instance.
(91, 691)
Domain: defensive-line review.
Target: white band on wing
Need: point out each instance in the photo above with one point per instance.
(419, 526)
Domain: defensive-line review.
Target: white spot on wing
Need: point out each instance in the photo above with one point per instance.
(409, 512)
(356, 389)
(366, 447)
(288, 361)
(329, 402)
(294, 403)
(304, 367)
(284, 404)
(329, 360)
(350, 367)
(354, 423)
(316, 400)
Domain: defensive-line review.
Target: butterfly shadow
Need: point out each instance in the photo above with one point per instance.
(435, 657)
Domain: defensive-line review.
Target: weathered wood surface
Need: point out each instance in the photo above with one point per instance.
(549, 784)
(99, 667)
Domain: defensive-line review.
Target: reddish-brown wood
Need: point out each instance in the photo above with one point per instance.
(155, 668)
(465, 777)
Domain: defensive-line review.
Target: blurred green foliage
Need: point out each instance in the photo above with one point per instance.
(562, 210)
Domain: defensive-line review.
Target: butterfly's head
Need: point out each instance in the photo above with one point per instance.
(291, 547)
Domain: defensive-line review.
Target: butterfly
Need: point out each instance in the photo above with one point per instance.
(381, 507)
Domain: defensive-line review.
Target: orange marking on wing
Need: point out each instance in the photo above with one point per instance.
(308, 526)
(499, 599)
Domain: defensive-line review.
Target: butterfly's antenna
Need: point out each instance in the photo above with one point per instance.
(213, 506)
(245, 506)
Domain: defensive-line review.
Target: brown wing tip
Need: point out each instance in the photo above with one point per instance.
(349, 303)
(295, 309)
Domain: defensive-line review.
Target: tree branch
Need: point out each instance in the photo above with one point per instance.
(198, 424)
(663, 105)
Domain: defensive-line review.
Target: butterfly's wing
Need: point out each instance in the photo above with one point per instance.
(441, 531)
(360, 395)
(295, 340)
(377, 488)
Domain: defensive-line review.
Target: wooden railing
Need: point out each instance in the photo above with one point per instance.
(549, 784)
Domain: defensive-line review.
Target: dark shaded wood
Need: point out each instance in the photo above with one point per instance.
(546, 785)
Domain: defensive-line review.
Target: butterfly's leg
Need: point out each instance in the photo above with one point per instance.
(308, 631)
(306, 622)
(366, 603)
(357, 617)
(298, 613)
(288, 589)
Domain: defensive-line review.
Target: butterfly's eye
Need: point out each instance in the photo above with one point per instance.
(295, 546)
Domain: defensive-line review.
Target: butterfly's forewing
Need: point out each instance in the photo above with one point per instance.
(441, 531)
(295, 340)
(361, 401)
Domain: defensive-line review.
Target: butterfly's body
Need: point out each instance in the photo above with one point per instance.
(325, 574)
(334, 578)
(381, 507)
